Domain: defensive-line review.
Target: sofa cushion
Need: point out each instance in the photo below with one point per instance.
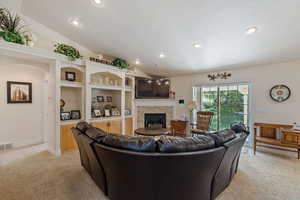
(223, 136)
(83, 126)
(95, 133)
(178, 144)
(140, 144)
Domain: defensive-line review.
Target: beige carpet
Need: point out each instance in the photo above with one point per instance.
(266, 176)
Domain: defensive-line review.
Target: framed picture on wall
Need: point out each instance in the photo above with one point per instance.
(70, 76)
(19, 92)
(75, 114)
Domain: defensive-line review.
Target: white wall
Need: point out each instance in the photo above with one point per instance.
(46, 37)
(22, 124)
(262, 79)
(12, 4)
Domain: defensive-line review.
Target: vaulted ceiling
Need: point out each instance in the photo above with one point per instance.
(143, 29)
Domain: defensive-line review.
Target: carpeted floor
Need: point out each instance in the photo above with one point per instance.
(266, 176)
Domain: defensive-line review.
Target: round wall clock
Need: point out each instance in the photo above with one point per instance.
(280, 93)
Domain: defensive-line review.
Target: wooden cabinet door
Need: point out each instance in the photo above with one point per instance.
(67, 140)
(129, 126)
(102, 125)
(114, 126)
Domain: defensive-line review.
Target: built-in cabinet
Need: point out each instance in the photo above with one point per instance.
(67, 141)
(78, 91)
(104, 95)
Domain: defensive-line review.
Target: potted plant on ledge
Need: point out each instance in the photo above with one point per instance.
(10, 27)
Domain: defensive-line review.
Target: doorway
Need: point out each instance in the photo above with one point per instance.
(229, 103)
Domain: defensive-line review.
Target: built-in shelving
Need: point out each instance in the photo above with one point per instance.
(77, 93)
(71, 84)
(105, 118)
(106, 87)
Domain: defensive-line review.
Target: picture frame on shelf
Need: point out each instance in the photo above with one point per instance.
(75, 114)
(70, 76)
(127, 112)
(108, 98)
(19, 92)
(115, 112)
(100, 99)
(64, 116)
(97, 113)
(107, 113)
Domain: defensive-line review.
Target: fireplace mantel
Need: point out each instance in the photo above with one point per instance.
(155, 102)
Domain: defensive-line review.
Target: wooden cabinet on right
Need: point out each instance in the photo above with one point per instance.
(290, 137)
(286, 140)
(129, 126)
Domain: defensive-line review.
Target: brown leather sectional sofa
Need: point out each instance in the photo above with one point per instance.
(138, 168)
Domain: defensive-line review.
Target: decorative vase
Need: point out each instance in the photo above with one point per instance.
(30, 43)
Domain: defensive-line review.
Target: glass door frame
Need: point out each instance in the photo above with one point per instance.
(197, 98)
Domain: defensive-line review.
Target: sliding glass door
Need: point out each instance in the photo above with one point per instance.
(229, 103)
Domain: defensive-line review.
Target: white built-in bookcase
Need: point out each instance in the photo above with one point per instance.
(77, 94)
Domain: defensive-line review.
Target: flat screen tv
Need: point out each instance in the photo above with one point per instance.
(151, 90)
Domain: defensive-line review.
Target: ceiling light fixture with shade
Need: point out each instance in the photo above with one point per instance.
(251, 30)
(98, 3)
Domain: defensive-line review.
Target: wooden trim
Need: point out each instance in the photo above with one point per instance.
(286, 126)
(277, 148)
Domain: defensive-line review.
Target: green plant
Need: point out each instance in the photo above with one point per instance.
(10, 26)
(68, 51)
(120, 63)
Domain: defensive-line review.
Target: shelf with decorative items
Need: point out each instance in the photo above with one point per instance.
(129, 104)
(71, 102)
(104, 97)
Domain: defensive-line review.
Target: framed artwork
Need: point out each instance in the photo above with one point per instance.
(19, 92)
(65, 116)
(100, 98)
(70, 76)
(108, 99)
(97, 113)
(75, 114)
(107, 113)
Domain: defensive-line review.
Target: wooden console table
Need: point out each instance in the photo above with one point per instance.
(268, 135)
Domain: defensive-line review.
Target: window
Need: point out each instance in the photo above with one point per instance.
(229, 103)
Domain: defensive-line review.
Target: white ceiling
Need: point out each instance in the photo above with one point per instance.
(142, 29)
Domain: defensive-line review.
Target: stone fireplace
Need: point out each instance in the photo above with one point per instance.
(157, 111)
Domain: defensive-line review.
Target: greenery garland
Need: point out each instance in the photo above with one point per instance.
(68, 51)
(120, 63)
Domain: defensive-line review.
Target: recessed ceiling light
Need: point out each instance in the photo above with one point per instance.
(75, 22)
(162, 55)
(251, 30)
(98, 3)
(196, 45)
(137, 61)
